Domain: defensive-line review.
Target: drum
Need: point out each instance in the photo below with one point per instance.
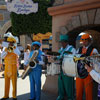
(74, 69)
(69, 66)
(53, 68)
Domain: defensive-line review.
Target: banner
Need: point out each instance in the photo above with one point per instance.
(22, 6)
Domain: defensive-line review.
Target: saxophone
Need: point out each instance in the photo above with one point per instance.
(31, 65)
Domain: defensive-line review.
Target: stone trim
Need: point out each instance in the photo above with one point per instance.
(84, 18)
(5, 27)
(72, 8)
(76, 21)
(58, 2)
(97, 17)
(91, 16)
(63, 30)
(57, 35)
(69, 25)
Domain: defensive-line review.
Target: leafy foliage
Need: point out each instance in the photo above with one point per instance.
(39, 22)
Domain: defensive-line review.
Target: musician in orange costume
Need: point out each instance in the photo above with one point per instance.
(87, 82)
(10, 60)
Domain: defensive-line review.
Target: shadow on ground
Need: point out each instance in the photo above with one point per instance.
(44, 96)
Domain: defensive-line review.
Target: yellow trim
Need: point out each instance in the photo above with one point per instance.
(11, 39)
(40, 36)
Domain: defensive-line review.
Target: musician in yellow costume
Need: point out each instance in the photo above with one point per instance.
(10, 60)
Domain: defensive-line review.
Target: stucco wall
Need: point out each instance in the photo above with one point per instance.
(4, 14)
(68, 16)
(4, 18)
(63, 24)
(58, 21)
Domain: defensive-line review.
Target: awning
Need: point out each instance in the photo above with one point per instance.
(41, 36)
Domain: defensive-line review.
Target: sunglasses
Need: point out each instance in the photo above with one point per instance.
(84, 39)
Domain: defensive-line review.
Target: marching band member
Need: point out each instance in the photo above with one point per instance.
(87, 82)
(4, 43)
(10, 60)
(35, 74)
(95, 75)
(16, 50)
(65, 83)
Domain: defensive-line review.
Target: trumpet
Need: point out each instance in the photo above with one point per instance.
(93, 58)
(77, 58)
(11, 49)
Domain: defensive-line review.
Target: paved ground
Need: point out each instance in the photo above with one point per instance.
(23, 89)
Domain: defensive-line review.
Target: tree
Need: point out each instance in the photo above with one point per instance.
(39, 22)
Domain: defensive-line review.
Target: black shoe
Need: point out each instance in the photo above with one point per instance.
(4, 98)
(14, 98)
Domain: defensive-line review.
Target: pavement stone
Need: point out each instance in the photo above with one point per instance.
(23, 89)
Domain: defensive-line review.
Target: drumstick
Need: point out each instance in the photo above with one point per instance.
(68, 52)
(53, 53)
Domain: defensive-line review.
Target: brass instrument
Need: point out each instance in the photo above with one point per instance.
(31, 65)
(78, 58)
(10, 49)
(93, 61)
(95, 58)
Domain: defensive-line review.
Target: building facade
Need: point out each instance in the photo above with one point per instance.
(5, 22)
(74, 16)
(68, 17)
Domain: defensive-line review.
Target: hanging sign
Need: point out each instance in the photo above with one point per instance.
(22, 6)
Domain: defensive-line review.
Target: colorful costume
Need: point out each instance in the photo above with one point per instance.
(10, 60)
(10, 73)
(65, 83)
(35, 75)
(95, 74)
(86, 83)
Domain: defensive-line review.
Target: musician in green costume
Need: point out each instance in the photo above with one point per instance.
(65, 83)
